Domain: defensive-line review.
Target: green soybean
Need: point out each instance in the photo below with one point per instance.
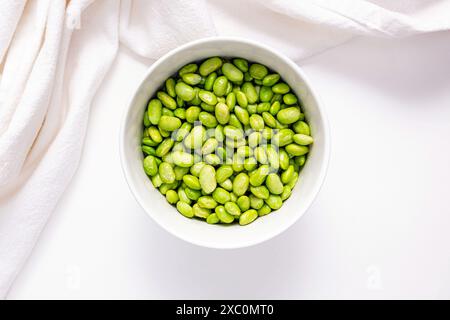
(248, 217)
(192, 78)
(240, 184)
(210, 65)
(274, 184)
(154, 111)
(184, 91)
(223, 215)
(166, 173)
(232, 73)
(220, 86)
(189, 68)
(243, 202)
(169, 123)
(207, 178)
(296, 150)
(167, 100)
(241, 64)
(185, 209)
(303, 139)
(207, 202)
(212, 219)
(258, 71)
(150, 166)
(209, 82)
(271, 79)
(232, 208)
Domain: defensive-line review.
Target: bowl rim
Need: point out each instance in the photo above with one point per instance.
(320, 109)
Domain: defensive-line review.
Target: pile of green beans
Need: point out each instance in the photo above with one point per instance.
(224, 140)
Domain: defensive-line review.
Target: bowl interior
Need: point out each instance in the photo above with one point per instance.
(196, 231)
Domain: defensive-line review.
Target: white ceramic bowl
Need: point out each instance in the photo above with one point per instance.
(196, 231)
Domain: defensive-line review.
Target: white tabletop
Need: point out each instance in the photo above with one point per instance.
(380, 227)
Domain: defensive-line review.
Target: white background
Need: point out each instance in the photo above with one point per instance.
(380, 227)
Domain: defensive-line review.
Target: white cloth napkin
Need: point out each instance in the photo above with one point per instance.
(54, 55)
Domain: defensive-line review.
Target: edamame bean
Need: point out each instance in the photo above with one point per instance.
(207, 119)
(231, 100)
(212, 219)
(192, 194)
(244, 203)
(274, 184)
(258, 176)
(185, 209)
(260, 192)
(284, 159)
(248, 217)
(222, 113)
(172, 196)
(232, 73)
(150, 166)
(289, 115)
(256, 122)
(265, 94)
(192, 114)
(258, 71)
(250, 92)
(302, 127)
(223, 215)
(296, 150)
(271, 79)
(196, 168)
(167, 100)
(192, 78)
(242, 64)
(170, 87)
(242, 115)
(184, 91)
(269, 120)
(164, 147)
(221, 195)
(146, 120)
(240, 184)
(183, 197)
(281, 88)
(274, 202)
(210, 65)
(207, 178)
(154, 111)
(265, 210)
(192, 182)
(149, 151)
(290, 99)
(154, 134)
(286, 193)
(232, 208)
(227, 185)
(207, 97)
(220, 86)
(241, 99)
(166, 173)
(169, 123)
(189, 68)
(207, 202)
(256, 203)
(195, 138)
(302, 139)
(180, 172)
(223, 173)
(209, 82)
